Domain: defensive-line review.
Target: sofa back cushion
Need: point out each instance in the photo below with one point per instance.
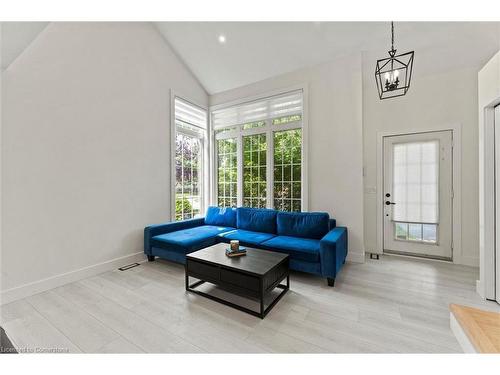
(303, 224)
(256, 219)
(221, 216)
(333, 223)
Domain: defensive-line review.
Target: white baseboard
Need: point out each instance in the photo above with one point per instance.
(356, 257)
(39, 286)
(479, 289)
(466, 261)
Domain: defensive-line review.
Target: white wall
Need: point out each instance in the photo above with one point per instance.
(335, 139)
(85, 148)
(1, 168)
(489, 96)
(436, 100)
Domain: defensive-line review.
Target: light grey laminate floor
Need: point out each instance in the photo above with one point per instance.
(389, 305)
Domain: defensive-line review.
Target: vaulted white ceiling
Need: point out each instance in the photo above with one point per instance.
(254, 51)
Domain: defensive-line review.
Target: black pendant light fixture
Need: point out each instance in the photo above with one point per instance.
(393, 74)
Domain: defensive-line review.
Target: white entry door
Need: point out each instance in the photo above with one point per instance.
(417, 196)
(497, 199)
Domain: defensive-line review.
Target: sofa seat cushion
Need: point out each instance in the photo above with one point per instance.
(303, 224)
(304, 249)
(246, 237)
(189, 240)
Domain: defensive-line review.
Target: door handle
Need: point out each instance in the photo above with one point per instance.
(387, 203)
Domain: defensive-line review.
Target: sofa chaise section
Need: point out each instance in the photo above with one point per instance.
(186, 241)
(174, 240)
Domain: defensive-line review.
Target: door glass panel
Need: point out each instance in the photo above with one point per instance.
(401, 231)
(429, 233)
(415, 191)
(416, 183)
(415, 232)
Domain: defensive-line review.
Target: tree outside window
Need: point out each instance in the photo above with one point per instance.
(187, 176)
(288, 170)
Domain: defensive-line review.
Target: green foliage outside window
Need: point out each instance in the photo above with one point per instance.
(182, 206)
(254, 171)
(287, 170)
(187, 173)
(227, 172)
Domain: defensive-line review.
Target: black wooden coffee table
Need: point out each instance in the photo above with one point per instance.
(254, 275)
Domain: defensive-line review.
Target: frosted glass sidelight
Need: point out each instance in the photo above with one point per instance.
(416, 182)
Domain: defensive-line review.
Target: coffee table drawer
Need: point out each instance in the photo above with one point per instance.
(204, 270)
(241, 280)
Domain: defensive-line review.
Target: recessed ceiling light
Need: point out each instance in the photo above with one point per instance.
(222, 39)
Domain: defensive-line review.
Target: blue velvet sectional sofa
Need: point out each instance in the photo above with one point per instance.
(313, 241)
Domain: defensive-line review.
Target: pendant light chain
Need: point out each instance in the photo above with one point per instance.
(392, 38)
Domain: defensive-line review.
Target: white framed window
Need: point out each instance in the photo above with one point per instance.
(227, 179)
(188, 154)
(259, 154)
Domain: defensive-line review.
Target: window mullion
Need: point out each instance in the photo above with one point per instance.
(182, 177)
(239, 163)
(283, 165)
(270, 166)
(192, 180)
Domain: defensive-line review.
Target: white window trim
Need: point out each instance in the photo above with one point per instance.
(205, 144)
(268, 130)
